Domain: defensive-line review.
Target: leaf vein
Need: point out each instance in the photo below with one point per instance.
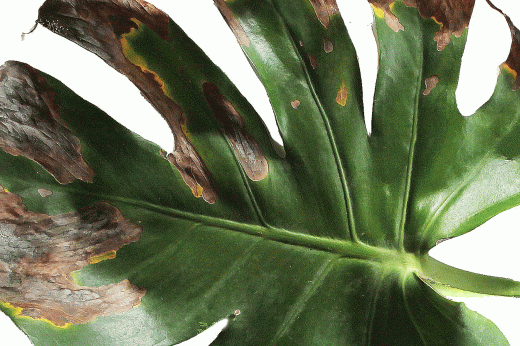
(302, 300)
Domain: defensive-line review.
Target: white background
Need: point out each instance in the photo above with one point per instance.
(491, 249)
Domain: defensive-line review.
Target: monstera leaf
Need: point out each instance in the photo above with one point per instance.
(108, 240)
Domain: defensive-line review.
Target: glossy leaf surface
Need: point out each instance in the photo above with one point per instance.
(324, 244)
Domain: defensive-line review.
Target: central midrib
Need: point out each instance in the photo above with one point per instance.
(335, 246)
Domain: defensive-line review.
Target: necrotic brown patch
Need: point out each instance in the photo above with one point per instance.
(454, 16)
(31, 125)
(101, 26)
(245, 147)
(38, 252)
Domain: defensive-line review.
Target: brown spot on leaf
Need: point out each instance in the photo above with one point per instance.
(31, 125)
(430, 82)
(44, 192)
(324, 10)
(313, 61)
(453, 15)
(192, 169)
(341, 96)
(102, 26)
(295, 103)
(391, 20)
(327, 45)
(232, 22)
(245, 147)
(38, 252)
(513, 59)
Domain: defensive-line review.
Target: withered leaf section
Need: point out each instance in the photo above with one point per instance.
(453, 16)
(30, 124)
(245, 147)
(38, 252)
(98, 25)
(513, 60)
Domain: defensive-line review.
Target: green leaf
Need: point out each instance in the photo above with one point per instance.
(325, 242)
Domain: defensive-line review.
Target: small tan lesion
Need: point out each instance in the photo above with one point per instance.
(245, 147)
(430, 83)
(328, 46)
(342, 94)
(44, 192)
(38, 253)
(31, 124)
(295, 104)
(324, 10)
(313, 61)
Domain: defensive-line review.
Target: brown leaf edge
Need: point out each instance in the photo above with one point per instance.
(31, 124)
(38, 253)
(513, 60)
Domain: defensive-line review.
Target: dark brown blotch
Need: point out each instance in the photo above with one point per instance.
(38, 252)
(31, 124)
(245, 147)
